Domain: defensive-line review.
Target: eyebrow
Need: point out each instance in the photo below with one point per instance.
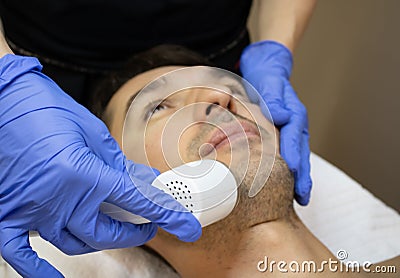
(155, 83)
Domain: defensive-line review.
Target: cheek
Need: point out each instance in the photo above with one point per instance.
(153, 148)
(167, 148)
(188, 144)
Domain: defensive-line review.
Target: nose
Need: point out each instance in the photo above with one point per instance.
(213, 98)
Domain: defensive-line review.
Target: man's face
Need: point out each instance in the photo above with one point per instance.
(165, 129)
(217, 121)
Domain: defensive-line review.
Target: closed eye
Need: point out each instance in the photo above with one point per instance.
(155, 108)
(159, 107)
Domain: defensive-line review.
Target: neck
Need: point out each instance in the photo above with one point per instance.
(248, 252)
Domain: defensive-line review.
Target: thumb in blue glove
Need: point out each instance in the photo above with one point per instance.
(58, 163)
(267, 66)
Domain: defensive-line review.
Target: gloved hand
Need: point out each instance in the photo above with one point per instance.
(267, 65)
(58, 163)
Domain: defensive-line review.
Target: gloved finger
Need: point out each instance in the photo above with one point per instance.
(276, 109)
(303, 181)
(101, 143)
(104, 146)
(141, 172)
(294, 105)
(271, 95)
(272, 106)
(292, 132)
(85, 221)
(296, 150)
(16, 250)
(103, 232)
(252, 93)
(66, 242)
(290, 137)
(140, 198)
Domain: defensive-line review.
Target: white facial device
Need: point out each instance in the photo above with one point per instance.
(207, 188)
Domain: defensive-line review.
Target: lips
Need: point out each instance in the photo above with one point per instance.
(227, 133)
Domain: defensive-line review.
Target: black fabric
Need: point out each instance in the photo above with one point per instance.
(79, 85)
(101, 34)
(79, 41)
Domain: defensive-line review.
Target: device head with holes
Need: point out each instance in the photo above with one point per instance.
(206, 188)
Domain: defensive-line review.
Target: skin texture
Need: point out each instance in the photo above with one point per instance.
(265, 225)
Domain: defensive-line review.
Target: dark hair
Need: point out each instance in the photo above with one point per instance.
(159, 56)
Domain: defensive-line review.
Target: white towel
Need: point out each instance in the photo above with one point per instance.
(345, 216)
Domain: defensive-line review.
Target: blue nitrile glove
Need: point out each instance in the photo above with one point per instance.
(267, 66)
(58, 163)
